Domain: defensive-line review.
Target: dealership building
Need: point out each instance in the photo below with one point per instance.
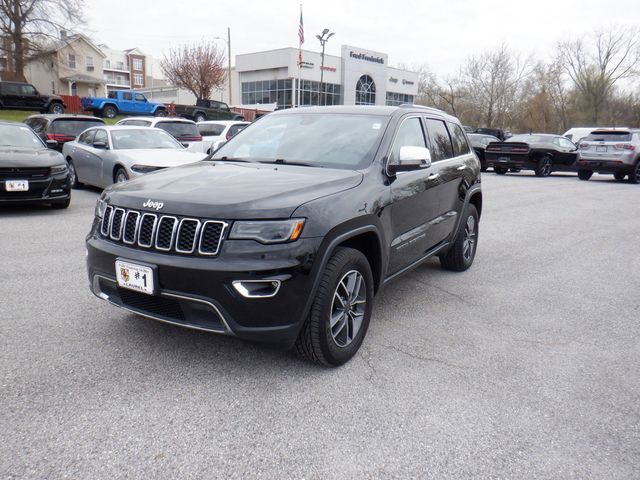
(357, 77)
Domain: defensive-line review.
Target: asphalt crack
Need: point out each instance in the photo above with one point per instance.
(423, 358)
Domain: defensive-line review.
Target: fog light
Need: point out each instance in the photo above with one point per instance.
(57, 190)
(257, 288)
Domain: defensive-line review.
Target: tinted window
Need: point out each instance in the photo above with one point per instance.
(531, 139)
(72, 126)
(441, 148)
(101, 136)
(87, 137)
(409, 134)
(28, 90)
(140, 98)
(38, 124)
(234, 129)
(179, 129)
(11, 89)
(127, 96)
(608, 137)
(459, 141)
(19, 136)
(210, 129)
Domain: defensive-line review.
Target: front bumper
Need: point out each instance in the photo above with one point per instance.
(41, 190)
(198, 293)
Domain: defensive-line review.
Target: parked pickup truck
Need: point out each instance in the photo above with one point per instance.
(123, 102)
(207, 110)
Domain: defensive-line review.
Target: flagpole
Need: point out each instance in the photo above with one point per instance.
(300, 42)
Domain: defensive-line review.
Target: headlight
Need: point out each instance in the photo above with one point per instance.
(145, 168)
(59, 169)
(101, 205)
(270, 231)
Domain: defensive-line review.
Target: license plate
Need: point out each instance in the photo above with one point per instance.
(17, 185)
(600, 148)
(503, 159)
(135, 277)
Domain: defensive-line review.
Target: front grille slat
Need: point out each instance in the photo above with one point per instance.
(23, 173)
(163, 233)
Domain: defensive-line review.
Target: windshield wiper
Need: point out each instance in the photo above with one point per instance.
(282, 161)
(227, 159)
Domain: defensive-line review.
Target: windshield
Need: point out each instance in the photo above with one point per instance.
(531, 139)
(608, 137)
(179, 129)
(19, 136)
(136, 139)
(73, 128)
(210, 129)
(332, 140)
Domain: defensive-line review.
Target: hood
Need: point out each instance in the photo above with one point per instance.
(160, 157)
(233, 190)
(26, 157)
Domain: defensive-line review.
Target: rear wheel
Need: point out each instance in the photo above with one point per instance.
(109, 111)
(544, 167)
(73, 176)
(619, 176)
(160, 112)
(120, 176)
(634, 176)
(584, 174)
(500, 170)
(339, 316)
(461, 254)
(199, 117)
(56, 107)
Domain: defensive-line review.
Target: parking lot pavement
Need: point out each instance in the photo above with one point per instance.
(526, 366)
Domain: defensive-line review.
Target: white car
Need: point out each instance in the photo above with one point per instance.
(183, 130)
(104, 155)
(216, 132)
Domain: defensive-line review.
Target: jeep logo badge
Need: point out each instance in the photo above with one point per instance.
(151, 204)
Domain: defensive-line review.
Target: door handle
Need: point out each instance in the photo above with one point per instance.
(461, 167)
(433, 176)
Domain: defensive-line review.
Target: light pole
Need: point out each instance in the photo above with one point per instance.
(324, 38)
(228, 42)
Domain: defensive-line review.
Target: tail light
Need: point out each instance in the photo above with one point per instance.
(59, 137)
(520, 149)
(625, 146)
(190, 138)
(584, 145)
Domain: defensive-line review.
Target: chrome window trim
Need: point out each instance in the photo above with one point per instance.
(225, 225)
(195, 235)
(135, 231)
(173, 232)
(111, 236)
(153, 229)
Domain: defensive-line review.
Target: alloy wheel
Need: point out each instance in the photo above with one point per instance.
(469, 241)
(73, 176)
(348, 308)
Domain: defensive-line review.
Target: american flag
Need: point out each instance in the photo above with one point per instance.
(301, 28)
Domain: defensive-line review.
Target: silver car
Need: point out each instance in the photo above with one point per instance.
(104, 155)
(612, 151)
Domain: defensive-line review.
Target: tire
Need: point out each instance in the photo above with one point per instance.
(160, 112)
(61, 204)
(544, 167)
(500, 170)
(56, 107)
(199, 117)
(619, 176)
(515, 170)
(73, 176)
(584, 174)
(328, 345)
(634, 176)
(109, 111)
(460, 256)
(120, 175)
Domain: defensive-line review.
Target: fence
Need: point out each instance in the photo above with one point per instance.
(73, 104)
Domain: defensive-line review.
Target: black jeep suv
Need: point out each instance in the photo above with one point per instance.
(286, 234)
(24, 96)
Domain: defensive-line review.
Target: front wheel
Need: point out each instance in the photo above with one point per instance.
(56, 108)
(120, 176)
(340, 314)
(461, 254)
(500, 170)
(584, 174)
(199, 117)
(544, 167)
(73, 176)
(634, 176)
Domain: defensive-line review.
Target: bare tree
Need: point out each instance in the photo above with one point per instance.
(493, 82)
(27, 25)
(199, 68)
(596, 63)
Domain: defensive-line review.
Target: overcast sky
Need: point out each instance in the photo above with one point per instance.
(438, 33)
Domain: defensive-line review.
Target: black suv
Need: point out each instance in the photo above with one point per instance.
(286, 233)
(24, 96)
(61, 128)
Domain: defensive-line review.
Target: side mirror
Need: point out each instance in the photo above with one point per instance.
(411, 158)
(100, 145)
(52, 143)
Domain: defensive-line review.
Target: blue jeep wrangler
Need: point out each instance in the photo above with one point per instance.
(123, 102)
